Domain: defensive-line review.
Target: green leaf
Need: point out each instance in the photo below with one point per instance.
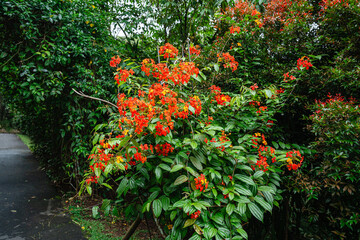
(158, 173)
(168, 160)
(89, 189)
(282, 145)
(95, 211)
(268, 93)
(198, 230)
(189, 222)
(157, 207)
(258, 174)
(263, 203)
(165, 167)
(195, 237)
(108, 169)
(196, 163)
(177, 168)
(241, 208)
(245, 179)
(268, 196)
(106, 185)
(193, 144)
(105, 204)
(218, 218)
(216, 67)
(122, 186)
(275, 144)
(96, 139)
(210, 232)
(97, 172)
(192, 171)
(165, 203)
(245, 167)
(242, 190)
(242, 233)
(179, 204)
(224, 232)
(173, 215)
(256, 211)
(183, 154)
(181, 179)
(266, 189)
(230, 208)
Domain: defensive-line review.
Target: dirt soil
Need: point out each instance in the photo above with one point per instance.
(116, 226)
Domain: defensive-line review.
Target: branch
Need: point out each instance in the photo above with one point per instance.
(94, 98)
(159, 227)
(10, 58)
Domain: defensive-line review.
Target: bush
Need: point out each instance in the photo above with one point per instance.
(193, 156)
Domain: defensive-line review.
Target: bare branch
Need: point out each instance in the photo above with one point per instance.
(94, 98)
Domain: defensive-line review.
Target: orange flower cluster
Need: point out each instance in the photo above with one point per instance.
(160, 102)
(304, 62)
(281, 90)
(201, 183)
(115, 61)
(221, 99)
(179, 74)
(234, 29)
(208, 122)
(264, 152)
(240, 9)
(164, 149)
(196, 214)
(254, 103)
(168, 50)
(229, 61)
(123, 75)
(293, 157)
(261, 109)
(286, 76)
(146, 66)
(183, 72)
(101, 160)
(195, 50)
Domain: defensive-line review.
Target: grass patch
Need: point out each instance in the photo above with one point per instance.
(105, 227)
(95, 230)
(26, 140)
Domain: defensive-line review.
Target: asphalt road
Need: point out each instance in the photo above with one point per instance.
(29, 208)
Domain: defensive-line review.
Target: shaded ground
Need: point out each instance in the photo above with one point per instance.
(29, 207)
(107, 227)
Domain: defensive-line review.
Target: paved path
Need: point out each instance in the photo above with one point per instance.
(28, 208)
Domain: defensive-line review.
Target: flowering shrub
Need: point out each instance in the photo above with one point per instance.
(197, 158)
(336, 165)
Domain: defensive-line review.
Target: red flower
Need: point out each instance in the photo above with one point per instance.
(168, 50)
(234, 29)
(304, 62)
(253, 87)
(196, 214)
(115, 61)
(195, 50)
(201, 183)
(229, 61)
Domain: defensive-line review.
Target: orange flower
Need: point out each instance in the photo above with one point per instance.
(115, 61)
(201, 183)
(168, 50)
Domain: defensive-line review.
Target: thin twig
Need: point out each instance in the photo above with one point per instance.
(158, 53)
(94, 98)
(159, 227)
(10, 58)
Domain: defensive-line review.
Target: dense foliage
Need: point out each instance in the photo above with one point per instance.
(217, 127)
(48, 48)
